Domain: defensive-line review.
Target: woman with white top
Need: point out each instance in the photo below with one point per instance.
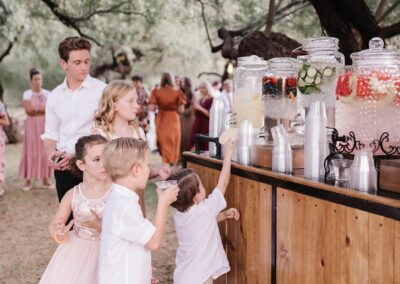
(34, 163)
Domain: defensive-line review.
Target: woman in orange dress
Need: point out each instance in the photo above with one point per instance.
(170, 102)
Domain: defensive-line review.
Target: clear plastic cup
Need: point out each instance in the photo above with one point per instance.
(165, 184)
(341, 168)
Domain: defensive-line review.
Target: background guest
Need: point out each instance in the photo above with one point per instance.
(187, 116)
(143, 97)
(4, 121)
(227, 95)
(34, 163)
(169, 102)
(202, 108)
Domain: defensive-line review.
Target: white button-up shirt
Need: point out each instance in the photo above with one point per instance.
(123, 257)
(70, 114)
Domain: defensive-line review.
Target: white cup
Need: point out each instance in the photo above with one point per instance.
(165, 184)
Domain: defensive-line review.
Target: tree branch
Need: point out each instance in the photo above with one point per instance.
(7, 51)
(68, 21)
(10, 45)
(203, 16)
(209, 73)
(270, 17)
(301, 6)
(379, 8)
(390, 31)
(112, 9)
(388, 11)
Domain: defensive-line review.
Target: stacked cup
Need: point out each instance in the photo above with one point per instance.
(315, 144)
(282, 158)
(363, 175)
(245, 140)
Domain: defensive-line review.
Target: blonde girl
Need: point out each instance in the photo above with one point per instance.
(116, 117)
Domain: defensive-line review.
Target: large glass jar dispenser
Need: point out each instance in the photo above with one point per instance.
(368, 94)
(247, 92)
(280, 92)
(318, 73)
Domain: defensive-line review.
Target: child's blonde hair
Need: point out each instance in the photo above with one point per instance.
(121, 154)
(105, 113)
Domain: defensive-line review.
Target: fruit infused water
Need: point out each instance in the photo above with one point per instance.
(317, 76)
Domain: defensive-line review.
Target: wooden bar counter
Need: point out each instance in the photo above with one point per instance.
(293, 230)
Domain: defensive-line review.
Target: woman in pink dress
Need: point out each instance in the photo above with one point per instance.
(4, 121)
(34, 163)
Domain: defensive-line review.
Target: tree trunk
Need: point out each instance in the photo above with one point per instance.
(350, 21)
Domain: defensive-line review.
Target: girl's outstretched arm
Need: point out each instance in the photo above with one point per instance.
(58, 230)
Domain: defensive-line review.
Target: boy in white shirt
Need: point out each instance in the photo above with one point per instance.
(200, 256)
(127, 238)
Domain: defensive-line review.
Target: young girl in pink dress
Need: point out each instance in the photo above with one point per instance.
(34, 163)
(76, 258)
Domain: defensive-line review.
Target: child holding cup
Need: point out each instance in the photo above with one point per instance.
(128, 238)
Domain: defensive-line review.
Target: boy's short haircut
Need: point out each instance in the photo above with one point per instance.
(121, 154)
(188, 183)
(72, 43)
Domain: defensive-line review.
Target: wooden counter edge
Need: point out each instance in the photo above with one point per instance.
(300, 180)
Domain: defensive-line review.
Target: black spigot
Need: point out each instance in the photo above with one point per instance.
(202, 137)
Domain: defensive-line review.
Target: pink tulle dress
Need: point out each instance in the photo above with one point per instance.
(76, 260)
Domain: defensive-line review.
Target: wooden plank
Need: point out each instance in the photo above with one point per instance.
(251, 231)
(242, 235)
(298, 237)
(335, 240)
(356, 246)
(381, 252)
(397, 253)
(232, 230)
(265, 233)
(314, 240)
(283, 236)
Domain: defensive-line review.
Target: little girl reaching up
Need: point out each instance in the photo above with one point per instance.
(76, 258)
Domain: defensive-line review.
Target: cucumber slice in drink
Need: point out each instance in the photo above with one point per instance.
(311, 72)
(317, 80)
(301, 82)
(302, 74)
(327, 72)
(309, 80)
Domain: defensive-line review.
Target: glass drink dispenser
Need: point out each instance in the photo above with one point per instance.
(318, 73)
(247, 92)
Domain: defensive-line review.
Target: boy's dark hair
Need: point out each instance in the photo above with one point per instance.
(72, 43)
(137, 78)
(81, 148)
(188, 183)
(33, 72)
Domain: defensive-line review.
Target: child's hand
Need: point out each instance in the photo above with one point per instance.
(62, 230)
(169, 195)
(228, 149)
(93, 221)
(164, 173)
(232, 213)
